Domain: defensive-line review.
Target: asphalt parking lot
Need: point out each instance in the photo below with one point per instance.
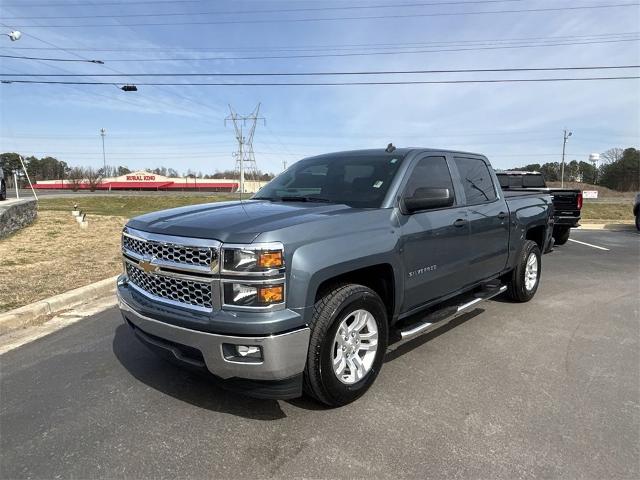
(548, 389)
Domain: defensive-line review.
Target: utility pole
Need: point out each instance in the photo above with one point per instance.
(284, 165)
(103, 132)
(564, 145)
(245, 154)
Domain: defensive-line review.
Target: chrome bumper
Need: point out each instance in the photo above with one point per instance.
(284, 355)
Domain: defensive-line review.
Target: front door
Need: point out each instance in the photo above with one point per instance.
(434, 243)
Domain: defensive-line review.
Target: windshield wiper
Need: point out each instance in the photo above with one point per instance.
(305, 199)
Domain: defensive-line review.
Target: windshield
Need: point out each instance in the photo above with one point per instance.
(360, 181)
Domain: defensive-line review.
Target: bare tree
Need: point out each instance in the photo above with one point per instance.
(94, 178)
(612, 155)
(76, 177)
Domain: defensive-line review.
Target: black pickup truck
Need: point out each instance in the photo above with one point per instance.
(567, 203)
(303, 286)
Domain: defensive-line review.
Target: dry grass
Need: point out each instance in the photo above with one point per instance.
(607, 212)
(54, 255)
(128, 206)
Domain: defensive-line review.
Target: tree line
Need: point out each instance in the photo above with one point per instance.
(619, 170)
(50, 168)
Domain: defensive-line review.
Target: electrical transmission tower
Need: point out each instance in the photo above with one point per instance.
(245, 157)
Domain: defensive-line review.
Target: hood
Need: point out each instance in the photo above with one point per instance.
(234, 222)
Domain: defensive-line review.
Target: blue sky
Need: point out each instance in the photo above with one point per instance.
(183, 127)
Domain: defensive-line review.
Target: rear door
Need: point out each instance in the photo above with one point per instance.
(434, 243)
(488, 219)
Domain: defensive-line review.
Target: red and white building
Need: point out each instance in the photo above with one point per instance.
(151, 182)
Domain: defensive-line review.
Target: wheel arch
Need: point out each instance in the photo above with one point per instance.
(377, 277)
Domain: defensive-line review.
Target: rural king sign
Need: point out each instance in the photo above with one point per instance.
(140, 178)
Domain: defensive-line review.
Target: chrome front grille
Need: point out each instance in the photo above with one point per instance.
(171, 252)
(177, 270)
(189, 292)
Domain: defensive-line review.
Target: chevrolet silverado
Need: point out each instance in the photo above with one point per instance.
(302, 287)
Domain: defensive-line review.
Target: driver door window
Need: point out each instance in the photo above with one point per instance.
(430, 172)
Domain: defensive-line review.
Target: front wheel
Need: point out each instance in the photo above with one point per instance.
(561, 235)
(524, 279)
(347, 345)
(3, 191)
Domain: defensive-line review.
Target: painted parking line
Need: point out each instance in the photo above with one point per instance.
(588, 244)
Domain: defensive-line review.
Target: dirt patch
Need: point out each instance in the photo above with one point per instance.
(55, 255)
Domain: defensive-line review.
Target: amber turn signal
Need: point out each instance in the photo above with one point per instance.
(270, 259)
(271, 294)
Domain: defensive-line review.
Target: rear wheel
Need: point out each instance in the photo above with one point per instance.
(561, 235)
(638, 221)
(347, 345)
(523, 282)
(3, 191)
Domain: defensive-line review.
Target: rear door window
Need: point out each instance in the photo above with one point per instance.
(476, 180)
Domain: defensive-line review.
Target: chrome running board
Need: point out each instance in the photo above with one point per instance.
(444, 315)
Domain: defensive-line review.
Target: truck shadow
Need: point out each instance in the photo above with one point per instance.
(193, 387)
(204, 391)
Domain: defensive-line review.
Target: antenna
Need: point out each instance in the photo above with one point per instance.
(245, 157)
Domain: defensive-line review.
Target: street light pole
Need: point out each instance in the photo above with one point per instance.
(103, 132)
(564, 145)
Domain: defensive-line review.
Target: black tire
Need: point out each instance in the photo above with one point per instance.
(638, 222)
(320, 380)
(3, 191)
(516, 285)
(561, 235)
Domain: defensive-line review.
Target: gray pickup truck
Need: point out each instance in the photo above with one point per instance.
(302, 287)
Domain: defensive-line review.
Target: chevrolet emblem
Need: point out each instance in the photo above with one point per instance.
(148, 266)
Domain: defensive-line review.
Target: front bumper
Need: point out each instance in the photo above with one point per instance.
(284, 355)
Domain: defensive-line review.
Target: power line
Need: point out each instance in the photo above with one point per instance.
(251, 12)
(364, 54)
(340, 73)
(329, 84)
(358, 46)
(136, 104)
(53, 59)
(222, 12)
(92, 4)
(326, 19)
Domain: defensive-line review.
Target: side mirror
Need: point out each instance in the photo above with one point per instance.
(426, 199)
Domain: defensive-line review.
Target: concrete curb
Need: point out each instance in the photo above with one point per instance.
(38, 312)
(607, 226)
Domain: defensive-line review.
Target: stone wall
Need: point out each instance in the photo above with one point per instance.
(16, 214)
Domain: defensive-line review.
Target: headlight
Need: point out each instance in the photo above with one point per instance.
(252, 259)
(253, 276)
(252, 295)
